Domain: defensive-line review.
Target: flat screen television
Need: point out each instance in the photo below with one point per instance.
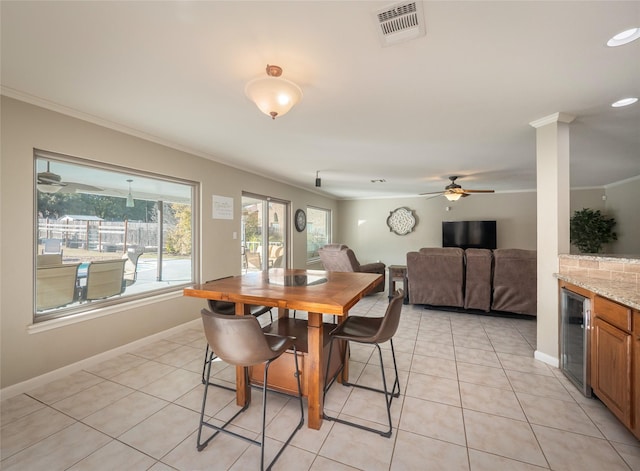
(469, 234)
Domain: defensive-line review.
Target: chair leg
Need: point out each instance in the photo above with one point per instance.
(206, 380)
(209, 356)
(200, 444)
(264, 412)
(388, 395)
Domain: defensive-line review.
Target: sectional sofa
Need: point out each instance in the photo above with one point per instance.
(502, 280)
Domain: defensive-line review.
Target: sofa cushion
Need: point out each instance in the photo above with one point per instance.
(477, 291)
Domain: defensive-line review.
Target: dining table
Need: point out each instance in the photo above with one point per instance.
(315, 291)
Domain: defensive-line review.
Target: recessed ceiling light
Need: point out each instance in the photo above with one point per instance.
(624, 37)
(624, 102)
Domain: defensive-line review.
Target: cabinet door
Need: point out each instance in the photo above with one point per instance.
(636, 374)
(611, 368)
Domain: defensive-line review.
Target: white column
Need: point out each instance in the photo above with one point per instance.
(553, 186)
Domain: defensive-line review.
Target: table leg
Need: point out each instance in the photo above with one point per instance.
(316, 369)
(243, 387)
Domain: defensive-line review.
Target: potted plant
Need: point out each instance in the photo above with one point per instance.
(590, 229)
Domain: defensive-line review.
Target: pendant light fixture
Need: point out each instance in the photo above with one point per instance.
(130, 196)
(318, 180)
(273, 95)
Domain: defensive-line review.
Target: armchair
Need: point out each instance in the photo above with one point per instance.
(339, 257)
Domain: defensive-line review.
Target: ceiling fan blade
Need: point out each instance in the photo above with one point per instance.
(433, 193)
(479, 191)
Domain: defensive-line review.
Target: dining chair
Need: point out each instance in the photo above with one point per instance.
(369, 330)
(240, 341)
(227, 308)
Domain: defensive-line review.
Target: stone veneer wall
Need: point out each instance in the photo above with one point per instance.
(603, 267)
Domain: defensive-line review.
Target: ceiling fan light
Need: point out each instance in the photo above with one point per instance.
(453, 196)
(274, 96)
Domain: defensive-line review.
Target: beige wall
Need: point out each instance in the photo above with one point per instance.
(623, 203)
(362, 223)
(25, 354)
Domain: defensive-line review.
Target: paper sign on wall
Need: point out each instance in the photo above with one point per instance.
(222, 207)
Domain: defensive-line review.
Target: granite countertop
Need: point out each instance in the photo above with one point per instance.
(616, 290)
(618, 258)
(613, 276)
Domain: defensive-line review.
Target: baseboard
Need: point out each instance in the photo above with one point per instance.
(548, 359)
(41, 380)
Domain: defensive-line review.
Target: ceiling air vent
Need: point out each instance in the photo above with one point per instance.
(400, 22)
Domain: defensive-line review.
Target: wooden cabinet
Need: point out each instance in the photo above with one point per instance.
(636, 373)
(613, 369)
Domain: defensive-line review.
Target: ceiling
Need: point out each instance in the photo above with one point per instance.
(457, 101)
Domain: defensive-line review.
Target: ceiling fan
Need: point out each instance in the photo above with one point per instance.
(454, 192)
(49, 182)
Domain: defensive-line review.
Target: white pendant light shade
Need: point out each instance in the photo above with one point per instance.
(274, 96)
(452, 196)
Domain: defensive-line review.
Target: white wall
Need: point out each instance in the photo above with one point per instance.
(362, 223)
(26, 354)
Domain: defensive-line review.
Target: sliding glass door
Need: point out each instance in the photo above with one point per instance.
(264, 233)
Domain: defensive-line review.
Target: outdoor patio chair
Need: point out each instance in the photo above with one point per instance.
(131, 265)
(52, 246)
(56, 285)
(104, 279)
(44, 260)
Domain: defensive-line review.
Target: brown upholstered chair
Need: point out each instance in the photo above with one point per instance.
(227, 308)
(339, 257)
(240, 341)
(369, 330)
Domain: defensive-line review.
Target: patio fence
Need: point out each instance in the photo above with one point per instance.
(104, 236)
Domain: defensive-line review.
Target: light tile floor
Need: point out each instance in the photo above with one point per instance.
(473, 398)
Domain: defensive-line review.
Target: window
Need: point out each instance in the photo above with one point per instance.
(318, 231)
(107, 235)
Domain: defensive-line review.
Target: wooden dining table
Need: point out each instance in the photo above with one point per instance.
(314, 291)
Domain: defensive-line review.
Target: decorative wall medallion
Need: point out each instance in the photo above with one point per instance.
(402, 221)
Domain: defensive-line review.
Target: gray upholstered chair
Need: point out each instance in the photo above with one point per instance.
(339, 257)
